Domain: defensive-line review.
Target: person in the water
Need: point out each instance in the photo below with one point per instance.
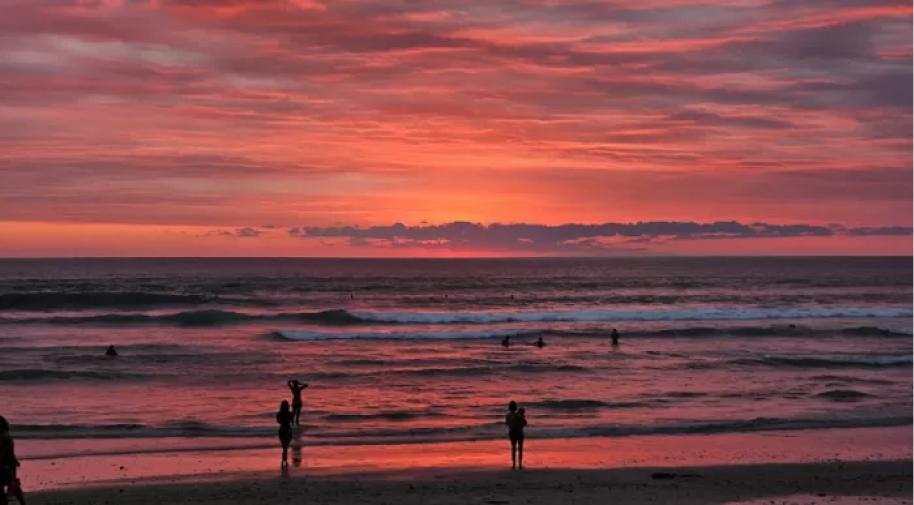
(111, 351)
(284, 419)
(539, 343)
(9, 482)
(516, 421)
(615, 337)
(296, 387)
(506, 342)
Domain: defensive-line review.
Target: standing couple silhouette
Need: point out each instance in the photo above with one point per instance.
(287, 416)
(516, 420)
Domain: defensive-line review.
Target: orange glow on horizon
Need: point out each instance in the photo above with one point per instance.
(156, 119)
(35, 239)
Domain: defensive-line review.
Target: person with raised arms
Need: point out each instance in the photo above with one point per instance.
(296, 387)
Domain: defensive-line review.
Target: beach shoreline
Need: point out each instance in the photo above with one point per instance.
(835, 482)
(47, 464)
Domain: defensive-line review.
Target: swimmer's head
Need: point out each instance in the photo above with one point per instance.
(512, 406)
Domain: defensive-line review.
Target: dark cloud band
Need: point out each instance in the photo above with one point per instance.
(572, 237)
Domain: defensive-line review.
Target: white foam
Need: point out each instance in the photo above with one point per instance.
(402, 335)
(689, 314)
(798, 499)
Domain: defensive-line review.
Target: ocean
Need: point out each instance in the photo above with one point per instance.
(410, 350)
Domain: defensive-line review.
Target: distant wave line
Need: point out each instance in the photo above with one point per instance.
(483, 431)
(347, 317)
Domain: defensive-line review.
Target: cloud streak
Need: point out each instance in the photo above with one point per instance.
(571, 238)
(218, 113)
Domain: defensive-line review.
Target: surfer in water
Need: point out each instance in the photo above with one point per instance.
(111, 351)
(506, 342)
(615, 337)
(539, 343)
(296, 387)
(284, 419)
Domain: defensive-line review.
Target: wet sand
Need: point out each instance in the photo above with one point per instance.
(60, 463)
(879, 482)
(838, 467)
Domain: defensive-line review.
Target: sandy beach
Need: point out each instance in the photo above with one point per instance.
(808, 467)
(827, 482)
(59, 464)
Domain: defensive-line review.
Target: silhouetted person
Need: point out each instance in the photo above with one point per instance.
(284, 418)
(539, 343)
(506, 342)
(111, 351)
(615, 337)
(9, 483)
(296, 388)
(515, 421)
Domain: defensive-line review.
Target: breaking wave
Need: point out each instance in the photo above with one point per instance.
(51, 300)
(214, 317)
(389, 334)
(479, 431)
(404, 335)
(194, 318)
(600, 315)
(49, 375)
(829, 361)
(394, 415)
(576, 405)
(842, 395)
(127, 430)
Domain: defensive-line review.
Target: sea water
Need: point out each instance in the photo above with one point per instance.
(399, 351)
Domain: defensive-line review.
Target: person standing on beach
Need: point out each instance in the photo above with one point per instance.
(516, 421)
(284, 418)
(296, 388)
(9, 483)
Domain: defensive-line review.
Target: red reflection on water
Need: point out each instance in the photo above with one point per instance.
(216, 459)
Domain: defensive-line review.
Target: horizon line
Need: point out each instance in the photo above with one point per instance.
(621, 256)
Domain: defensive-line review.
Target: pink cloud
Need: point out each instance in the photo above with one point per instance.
(219, 112)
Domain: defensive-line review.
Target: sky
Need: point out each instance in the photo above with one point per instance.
(455, 128)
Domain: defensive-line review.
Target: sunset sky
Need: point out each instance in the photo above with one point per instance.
(292, 127)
